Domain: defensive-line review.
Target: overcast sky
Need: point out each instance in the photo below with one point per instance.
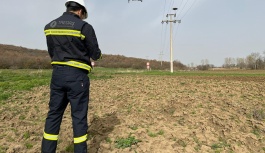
(209, 29)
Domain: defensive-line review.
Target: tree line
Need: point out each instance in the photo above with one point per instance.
(15, 57)
(254, 61)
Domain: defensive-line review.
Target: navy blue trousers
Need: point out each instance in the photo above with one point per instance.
(68, 84)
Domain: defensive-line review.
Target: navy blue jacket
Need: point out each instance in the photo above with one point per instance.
(72, 41)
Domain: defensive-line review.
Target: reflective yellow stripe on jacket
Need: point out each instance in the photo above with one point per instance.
(64, 32)
(74, 64)
(50, 137)
(80, 139)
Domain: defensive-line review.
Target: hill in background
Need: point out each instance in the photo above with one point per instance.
(15, 57)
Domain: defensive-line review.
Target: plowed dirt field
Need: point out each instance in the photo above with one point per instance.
(166, 114)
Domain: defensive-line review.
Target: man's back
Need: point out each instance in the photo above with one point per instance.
(71, 44)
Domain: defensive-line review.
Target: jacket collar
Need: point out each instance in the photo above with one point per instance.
(71, 13)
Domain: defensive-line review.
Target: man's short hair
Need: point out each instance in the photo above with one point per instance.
(73, 6)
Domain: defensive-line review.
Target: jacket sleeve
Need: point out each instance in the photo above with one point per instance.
(91, 42)
(49, 46)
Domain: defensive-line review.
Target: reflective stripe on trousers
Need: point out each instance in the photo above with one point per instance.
(80, 139)
(51, 137)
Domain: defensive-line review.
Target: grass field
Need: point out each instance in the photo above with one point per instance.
(19, 80)
(142, 111)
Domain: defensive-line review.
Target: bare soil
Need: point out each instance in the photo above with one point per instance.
(167, 114)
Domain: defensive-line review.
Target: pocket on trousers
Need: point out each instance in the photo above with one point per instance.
(78, 84)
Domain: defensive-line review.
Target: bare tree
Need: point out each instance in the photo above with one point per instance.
(264, 55)
(229, 62)
(256, 57)
(250, 62)
(202, 61)
(240, 63)
(204, 65)
(206, 61)
(192, 64)
(225, 65)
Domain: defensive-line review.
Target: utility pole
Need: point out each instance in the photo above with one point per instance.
(171, 31)
(160, 58)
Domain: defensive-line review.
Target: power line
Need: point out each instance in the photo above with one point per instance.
(161, 58)
(183, 8)
(170, 5)
(161, 43)
(164, 7)
(181, 2)
(165, 40)
(189, 9)
(180, 6)
(175, 31)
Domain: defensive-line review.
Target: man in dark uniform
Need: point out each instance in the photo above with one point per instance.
(71, 44)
